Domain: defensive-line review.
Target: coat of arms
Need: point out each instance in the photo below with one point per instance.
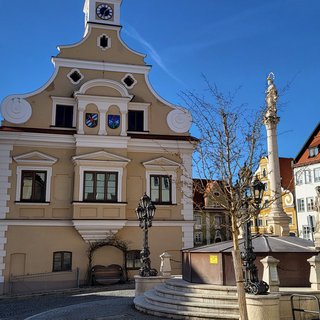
(91, 120)
(113, 121)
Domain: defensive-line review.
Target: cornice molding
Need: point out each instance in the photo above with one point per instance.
(101, 141)
(70, 223)
(37, 139)
(36, 158)
(101, 66)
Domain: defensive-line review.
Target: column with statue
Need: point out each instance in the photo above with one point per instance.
(278, 221)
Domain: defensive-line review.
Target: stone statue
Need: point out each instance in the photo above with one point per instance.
(317, 201)
(317, 209)
(271, 97)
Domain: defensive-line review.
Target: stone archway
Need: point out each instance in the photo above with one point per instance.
(113, 242)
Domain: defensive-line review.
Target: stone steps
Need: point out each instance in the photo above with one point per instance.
(181, 285)
(199, 297)
(178, 299)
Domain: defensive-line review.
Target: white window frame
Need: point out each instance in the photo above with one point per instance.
(316, 174)
(200, 235)
(310, 204)
(141, 107)
(313, 152)
(173, 175)
(299, 178)
(48, 170)
(306, 230)
(307, 176)
(83, 169)
(67, 102)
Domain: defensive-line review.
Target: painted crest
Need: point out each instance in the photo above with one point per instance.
(113, 121)
(91, 120)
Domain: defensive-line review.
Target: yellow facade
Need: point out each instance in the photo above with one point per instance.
(96, 119)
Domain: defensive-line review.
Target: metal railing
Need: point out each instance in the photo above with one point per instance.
(44, 282)
(307, 304)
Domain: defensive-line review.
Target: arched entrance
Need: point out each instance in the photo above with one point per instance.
(109, 251)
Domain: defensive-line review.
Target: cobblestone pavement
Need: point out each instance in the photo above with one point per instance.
(114, 302)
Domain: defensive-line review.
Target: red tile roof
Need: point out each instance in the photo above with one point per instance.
(303, 156)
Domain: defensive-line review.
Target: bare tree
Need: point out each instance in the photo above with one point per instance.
(230, 136)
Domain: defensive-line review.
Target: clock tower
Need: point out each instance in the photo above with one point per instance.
(102, 12)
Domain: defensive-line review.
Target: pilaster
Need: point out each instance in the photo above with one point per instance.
(5, 173)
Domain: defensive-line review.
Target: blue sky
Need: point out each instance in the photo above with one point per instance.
(235, 43)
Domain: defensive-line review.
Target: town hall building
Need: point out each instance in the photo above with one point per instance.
(78, 154)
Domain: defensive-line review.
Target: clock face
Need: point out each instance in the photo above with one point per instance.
(104, 11)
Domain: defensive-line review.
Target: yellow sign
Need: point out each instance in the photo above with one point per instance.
(213, 259)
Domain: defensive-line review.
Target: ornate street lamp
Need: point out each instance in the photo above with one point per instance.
(253, 193)
(145, 213)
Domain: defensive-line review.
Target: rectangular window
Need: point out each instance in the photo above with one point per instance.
(300, 203)
(33, 186)
(100, 186)
(198, 224)
(135, 120)
(265, 186)
(133, 259)
(62, 261)
(264, 172)
(299, 178)
(160, 189)
(307, 175)
(198, 237)
(316, 175)
(217, 221)
(306, 230)
(310, 204)
(64, 116)
(313, 152)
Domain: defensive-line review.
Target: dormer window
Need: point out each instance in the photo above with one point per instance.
(63, 112)
(64, 116)
(135, 120)
(313, 152)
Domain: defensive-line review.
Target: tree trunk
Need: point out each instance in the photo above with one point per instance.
(237, 264)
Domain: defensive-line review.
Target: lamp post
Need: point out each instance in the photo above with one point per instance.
(253, 192)
(145, 213)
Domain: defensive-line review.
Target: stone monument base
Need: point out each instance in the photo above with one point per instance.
(143, 284)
